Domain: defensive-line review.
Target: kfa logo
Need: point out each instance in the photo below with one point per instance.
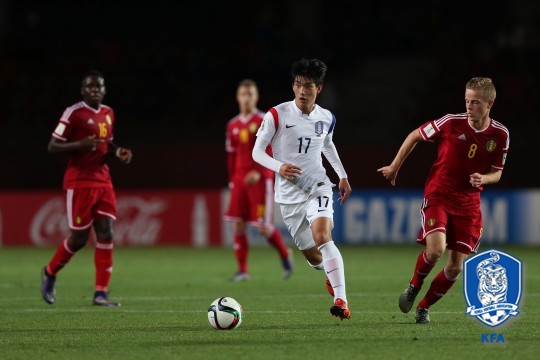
(492, 286)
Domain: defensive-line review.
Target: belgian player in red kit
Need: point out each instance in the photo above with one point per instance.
(85, 132)
(252, 186)
(472, 149)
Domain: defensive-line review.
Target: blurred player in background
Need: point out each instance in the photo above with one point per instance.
(299, 131)
(472, 149)
(251, 185)
(85, 132)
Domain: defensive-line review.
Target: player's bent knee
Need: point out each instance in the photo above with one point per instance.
(434, 255)
(313, 256)
(453, 272)
(105, 235)
(77, 241)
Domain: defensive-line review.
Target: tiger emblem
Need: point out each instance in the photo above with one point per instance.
(493, 282)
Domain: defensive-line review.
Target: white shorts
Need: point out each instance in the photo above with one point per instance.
(298, 217)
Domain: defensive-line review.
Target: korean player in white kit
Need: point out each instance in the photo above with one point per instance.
(299, 131)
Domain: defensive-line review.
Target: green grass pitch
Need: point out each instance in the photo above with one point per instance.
(165, 294)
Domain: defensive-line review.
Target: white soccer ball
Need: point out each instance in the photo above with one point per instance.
(225, 313)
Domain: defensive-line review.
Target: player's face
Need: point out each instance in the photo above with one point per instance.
(477, 108)
(305, 93)
(93, 90)
(247, 97)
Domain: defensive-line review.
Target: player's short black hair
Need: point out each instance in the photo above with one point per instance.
(312, 69)
(92, 73)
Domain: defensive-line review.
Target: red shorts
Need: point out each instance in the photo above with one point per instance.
(252, 204)
(86, 204)
(463, 232)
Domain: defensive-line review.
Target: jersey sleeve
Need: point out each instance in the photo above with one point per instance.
(267, 130)
(65, 126)
(430, 131)
(229, 145)
(501, 158)
(113, 121)
(330, 152)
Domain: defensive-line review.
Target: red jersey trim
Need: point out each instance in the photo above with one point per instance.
(276, 117)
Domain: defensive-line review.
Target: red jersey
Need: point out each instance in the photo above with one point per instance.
(462, 151)
(240, 140)
(86, 169)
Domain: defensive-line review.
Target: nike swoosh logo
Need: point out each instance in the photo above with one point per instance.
(328, 272)
(320, 210)
(289, 126)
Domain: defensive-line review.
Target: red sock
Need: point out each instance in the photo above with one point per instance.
(421, 270)
(241, 249)
(276, 240)
(103, 261)
(61, 257)
(439, 286)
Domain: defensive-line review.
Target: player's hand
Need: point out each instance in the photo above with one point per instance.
(289, 171)
(389, 173)
(89, 143)
(476, 179)
(252, 177)
(344, 190)
(124, 154)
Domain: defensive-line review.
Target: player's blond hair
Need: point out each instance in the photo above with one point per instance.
(484, 85)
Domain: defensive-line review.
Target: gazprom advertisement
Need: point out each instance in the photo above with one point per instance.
(393, 216)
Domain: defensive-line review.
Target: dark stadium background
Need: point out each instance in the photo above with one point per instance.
(172, 68)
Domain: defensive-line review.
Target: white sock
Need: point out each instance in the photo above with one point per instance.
(334, 268)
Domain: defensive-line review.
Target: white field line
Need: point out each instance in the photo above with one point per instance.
(204, 297)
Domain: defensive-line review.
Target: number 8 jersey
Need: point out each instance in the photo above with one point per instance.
(299, 139)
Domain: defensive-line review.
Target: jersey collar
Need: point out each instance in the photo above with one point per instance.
(245, 119)
(300, 113)
(91, 108)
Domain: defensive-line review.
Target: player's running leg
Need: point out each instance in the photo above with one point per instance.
(103, 261)
(435, 247)
(421, 270)
(441, 283)
(63, 254)
(241, 250)
(276, 240)
(335, 271)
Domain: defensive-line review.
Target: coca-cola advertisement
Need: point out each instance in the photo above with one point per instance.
(144, 218)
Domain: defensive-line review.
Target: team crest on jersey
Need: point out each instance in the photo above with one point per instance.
(492, 285)
(252, 128)
(491, 145)
(319, 127)
(108, 118)
(431, 221)
(244, 136)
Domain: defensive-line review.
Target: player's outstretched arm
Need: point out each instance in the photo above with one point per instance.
(390, 172)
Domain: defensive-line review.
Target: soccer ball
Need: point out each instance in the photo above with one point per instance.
(225, 313)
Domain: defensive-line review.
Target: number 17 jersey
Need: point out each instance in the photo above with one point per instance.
(298, 139)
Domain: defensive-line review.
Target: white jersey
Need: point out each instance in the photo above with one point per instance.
(300, 139)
